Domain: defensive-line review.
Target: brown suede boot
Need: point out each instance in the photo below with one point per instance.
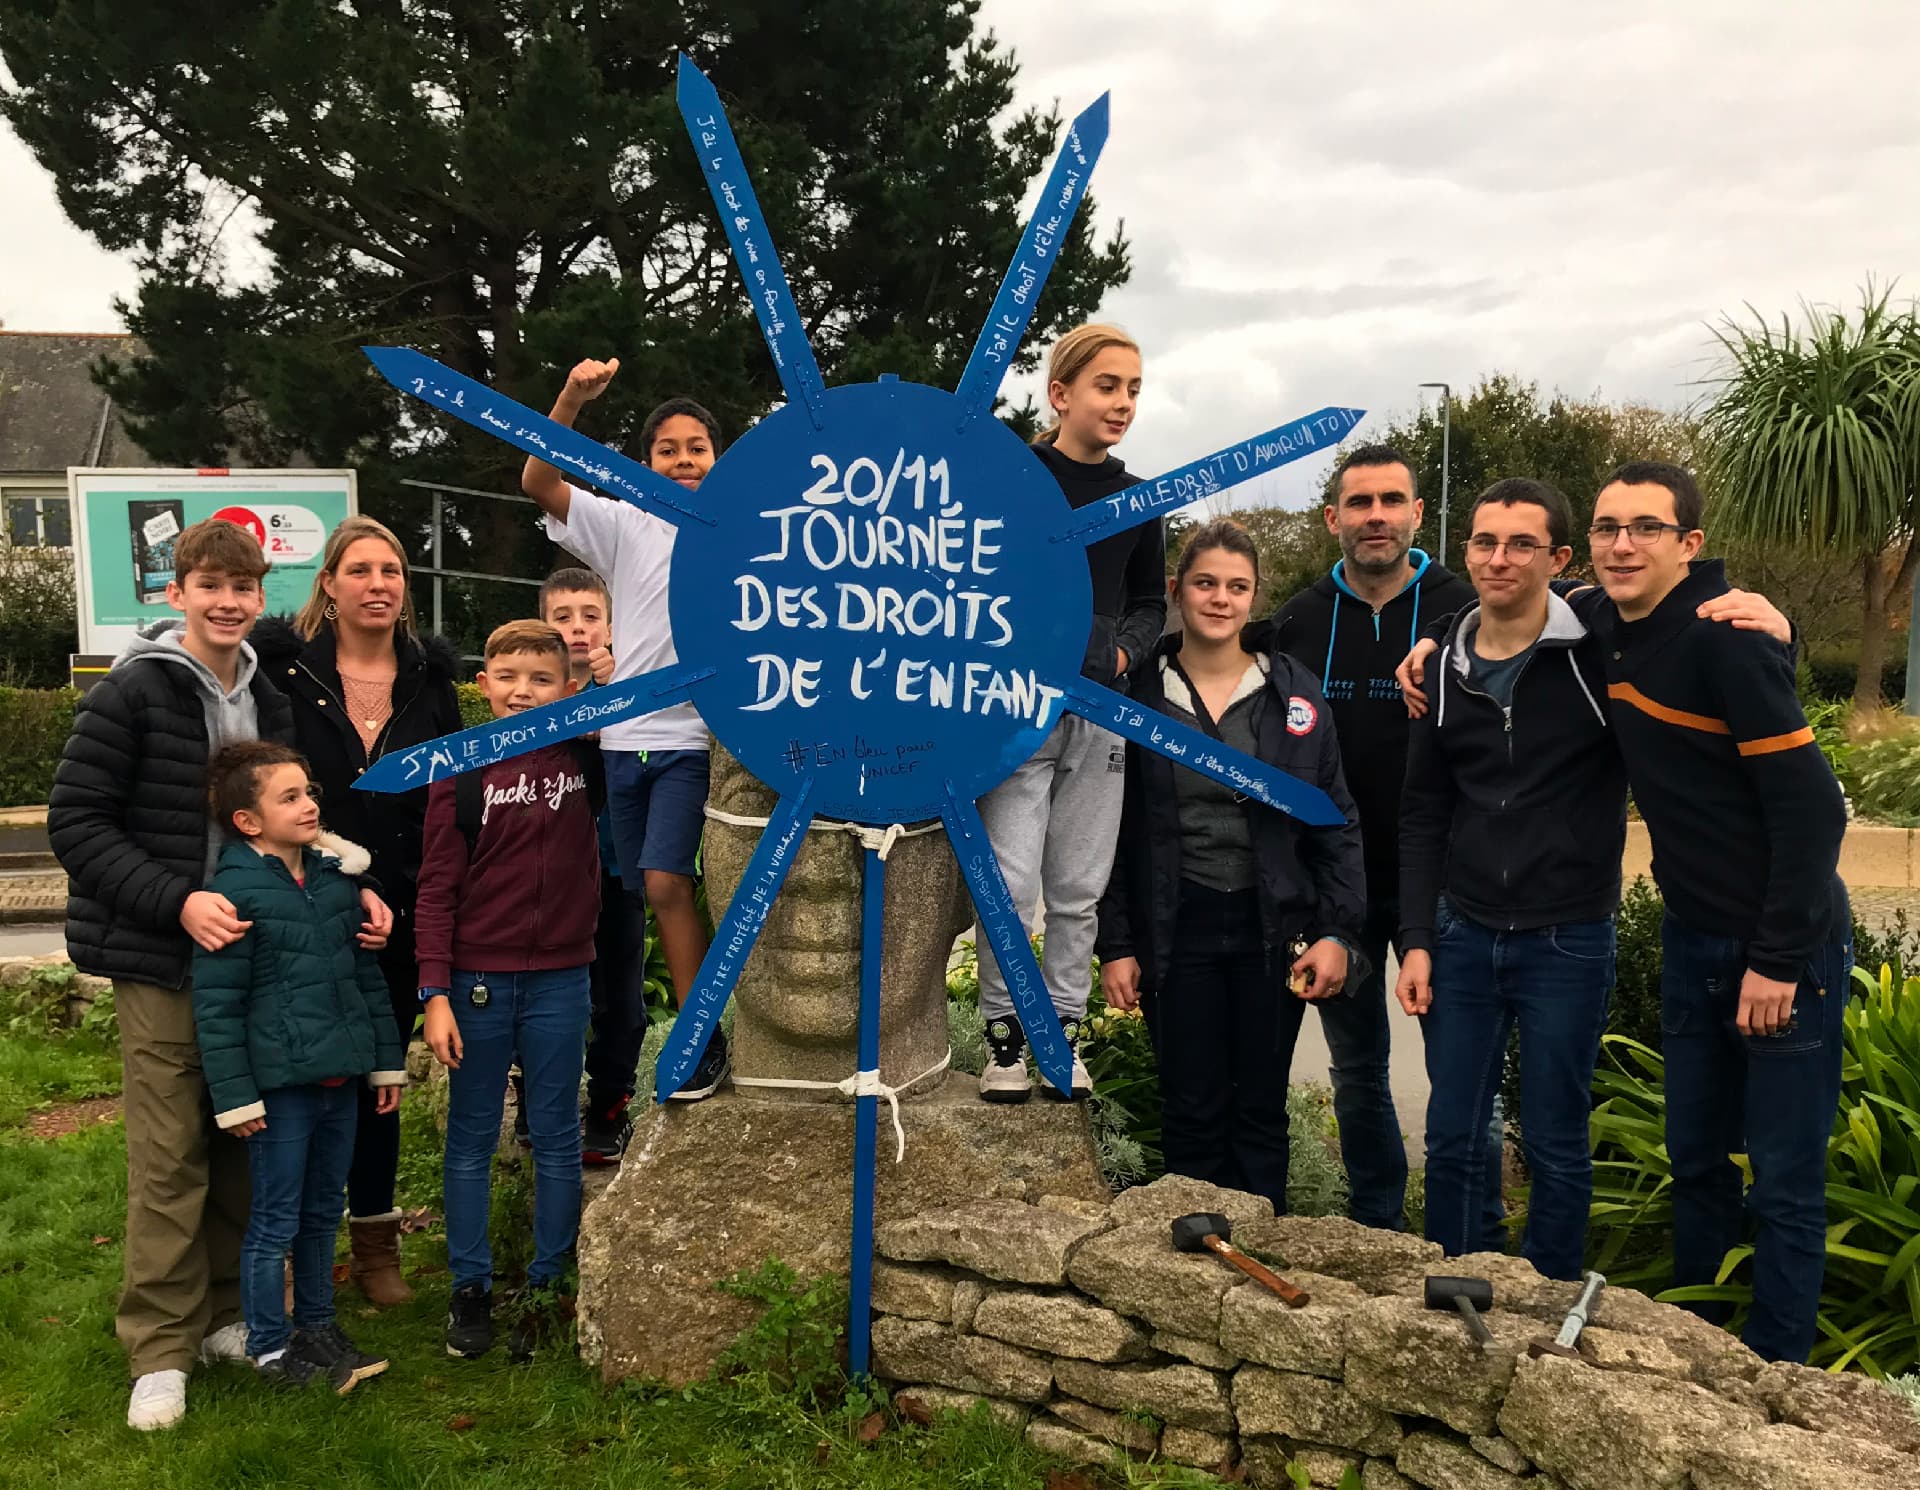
(375, 1268)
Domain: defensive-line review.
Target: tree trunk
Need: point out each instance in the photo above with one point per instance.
(1873, 644)
(1878, 586)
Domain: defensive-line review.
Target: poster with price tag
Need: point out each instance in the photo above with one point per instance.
(125, 523)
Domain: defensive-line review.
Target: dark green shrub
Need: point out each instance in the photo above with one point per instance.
(1870, 1301)
(1636, 975)
(1831, 672)
(37, 626)
(1882, 776)
(34, 725)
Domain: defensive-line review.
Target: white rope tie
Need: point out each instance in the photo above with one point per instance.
(881, 840)
(860, 1084)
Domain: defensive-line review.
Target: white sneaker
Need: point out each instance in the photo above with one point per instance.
(1005, 1078)
(228, 1343)
(159, 1400)
(1080, 1087)
(1082, 1081)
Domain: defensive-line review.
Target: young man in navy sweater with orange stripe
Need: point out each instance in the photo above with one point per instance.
(1746, 820)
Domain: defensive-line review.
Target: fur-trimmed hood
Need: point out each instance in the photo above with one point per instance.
(353, 859)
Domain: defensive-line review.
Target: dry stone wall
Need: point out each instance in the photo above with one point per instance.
(1082, 1327)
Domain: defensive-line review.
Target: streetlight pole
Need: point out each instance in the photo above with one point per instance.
(1446, 451)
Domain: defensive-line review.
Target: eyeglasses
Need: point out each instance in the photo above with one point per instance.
(1520, 551)
(1641, 532)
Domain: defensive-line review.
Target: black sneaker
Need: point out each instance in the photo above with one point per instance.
(346, 1365)
(470, 1322)
(522, 1134)
(290, 1371)
(538, 1314)
(1005, 1078)
(708, 1075)
(604, 1132)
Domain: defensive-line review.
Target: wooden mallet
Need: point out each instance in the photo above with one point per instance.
(1207, 1231)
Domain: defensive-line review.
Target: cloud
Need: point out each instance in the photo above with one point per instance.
(1332, 202)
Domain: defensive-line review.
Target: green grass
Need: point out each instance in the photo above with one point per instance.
(431, 1420)
(39, 1070)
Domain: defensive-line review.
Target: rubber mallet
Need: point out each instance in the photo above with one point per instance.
(1207, 1231)
(1467, 1295)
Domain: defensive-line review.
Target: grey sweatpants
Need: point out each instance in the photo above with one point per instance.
(1053, 825)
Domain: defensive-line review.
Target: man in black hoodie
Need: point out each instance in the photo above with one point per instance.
(1352, 628)
(1516, 808)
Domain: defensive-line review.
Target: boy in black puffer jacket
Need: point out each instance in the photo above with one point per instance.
(128, 819)
(289, 1016)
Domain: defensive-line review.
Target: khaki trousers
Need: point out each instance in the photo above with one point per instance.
(187, 1187)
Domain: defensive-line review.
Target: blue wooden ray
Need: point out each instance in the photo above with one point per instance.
(753, 248)
(1152, 730)
(733, 941)
(502, 739)
(1210, 475)
(1033, 261)
(1007, 939)
(866, 1105)
(496, 414)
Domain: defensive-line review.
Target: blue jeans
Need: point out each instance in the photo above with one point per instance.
(541, 1020)
(298, 1164)
(1555, 982)
(1772, 1097)
(1360, 1043)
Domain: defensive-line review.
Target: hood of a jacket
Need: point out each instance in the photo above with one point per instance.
(1563, 629)
(344, 854)
(1421, 560)
(166, 641)
(1563, 632)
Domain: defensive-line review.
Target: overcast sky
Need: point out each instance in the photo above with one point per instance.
(1331, 203)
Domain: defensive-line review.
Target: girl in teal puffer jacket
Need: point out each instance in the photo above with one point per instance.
(289, 1016)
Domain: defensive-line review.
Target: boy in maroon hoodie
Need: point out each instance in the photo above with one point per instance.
(508, 900)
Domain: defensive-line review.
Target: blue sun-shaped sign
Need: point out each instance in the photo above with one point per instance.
(880, 601)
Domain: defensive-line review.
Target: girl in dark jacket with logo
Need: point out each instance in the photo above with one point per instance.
(291, 1018)
(1222, 915)
(363, 682)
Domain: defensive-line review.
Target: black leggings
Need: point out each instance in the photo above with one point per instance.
(376, 1141)
(619, 990)
(1223, 1034)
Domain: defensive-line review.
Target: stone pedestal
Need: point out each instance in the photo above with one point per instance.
(797, 1004)
(709, 1188)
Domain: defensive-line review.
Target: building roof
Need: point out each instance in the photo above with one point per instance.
(52, 414)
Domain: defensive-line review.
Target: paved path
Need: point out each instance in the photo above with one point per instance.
(1407, 1071)
(30, 941)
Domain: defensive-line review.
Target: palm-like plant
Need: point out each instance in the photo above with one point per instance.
(1813, 439)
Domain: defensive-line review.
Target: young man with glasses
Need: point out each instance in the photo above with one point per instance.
(1746, 820)
(1515, 811)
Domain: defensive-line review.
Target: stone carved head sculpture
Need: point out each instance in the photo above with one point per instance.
(797, 1003)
